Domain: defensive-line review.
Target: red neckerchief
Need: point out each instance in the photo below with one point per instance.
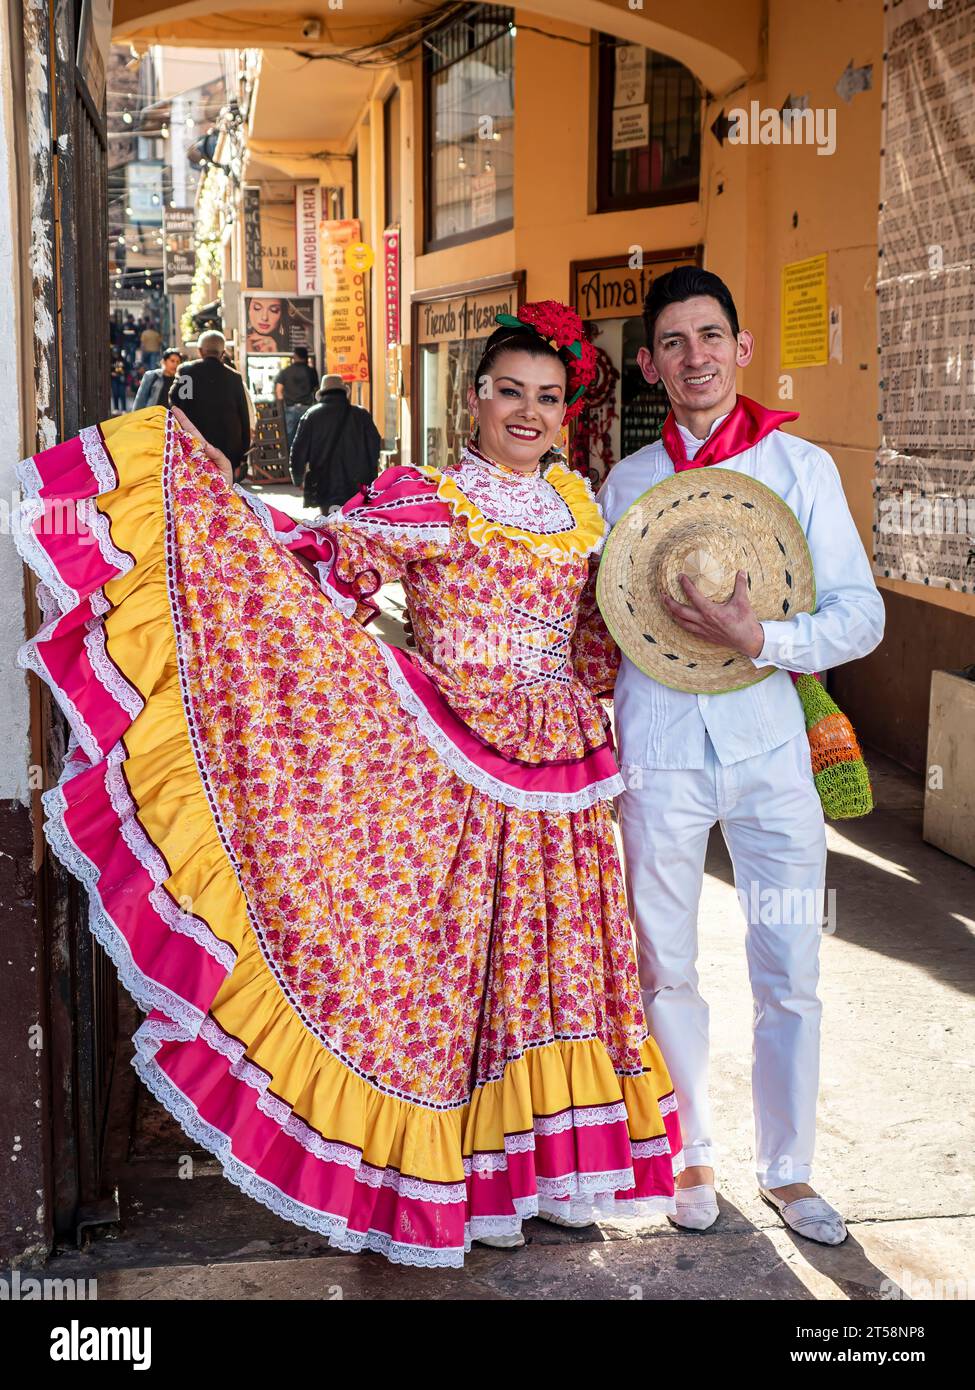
(744, 426)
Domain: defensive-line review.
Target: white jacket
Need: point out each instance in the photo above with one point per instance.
(657, 727)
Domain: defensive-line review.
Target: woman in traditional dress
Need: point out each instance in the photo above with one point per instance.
(370, 901)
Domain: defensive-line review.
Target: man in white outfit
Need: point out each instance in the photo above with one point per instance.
(740, 759)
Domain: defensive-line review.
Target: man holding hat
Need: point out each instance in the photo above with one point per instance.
(711, 729)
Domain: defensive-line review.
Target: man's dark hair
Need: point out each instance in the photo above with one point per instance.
(172, 352)
(301, 353)
(686, 282)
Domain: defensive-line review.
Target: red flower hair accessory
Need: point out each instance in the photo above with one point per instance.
(561, 328)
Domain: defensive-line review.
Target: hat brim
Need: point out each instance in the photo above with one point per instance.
(748, 526)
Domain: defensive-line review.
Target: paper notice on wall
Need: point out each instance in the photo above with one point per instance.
(926, 299)
(805, 320)
(484, 199)
(631, 127)
(630, 87)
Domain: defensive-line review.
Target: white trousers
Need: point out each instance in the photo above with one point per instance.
(772, 821)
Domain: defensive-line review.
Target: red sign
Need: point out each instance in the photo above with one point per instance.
(391, 277)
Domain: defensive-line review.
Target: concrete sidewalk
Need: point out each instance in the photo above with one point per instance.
(896, 1133)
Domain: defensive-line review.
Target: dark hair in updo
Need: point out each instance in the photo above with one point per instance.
(512, 340)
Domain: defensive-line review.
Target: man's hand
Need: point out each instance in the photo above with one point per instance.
(731, 624)
(214, 454)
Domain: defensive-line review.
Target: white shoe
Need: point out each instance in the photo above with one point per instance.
(812, 1217)
(575, 1223)
(697, 1207)
(514, 1241)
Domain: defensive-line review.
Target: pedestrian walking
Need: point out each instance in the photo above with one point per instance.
(119, 391)
(295, 385)
(212, 395)
(156, 385)
(336, 448)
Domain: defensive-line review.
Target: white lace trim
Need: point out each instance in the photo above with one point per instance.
(263, 513)
(265, 1192)
(669, 1104)
(30, 550)
(345, 603)
(97, 458)
(416, 1189)
(526, 501)
(582, 1117)
(651, 1148)
(474, 776)
(395, 530)
(99, 525)
(110, 677)
(29, 659)
(147, 993)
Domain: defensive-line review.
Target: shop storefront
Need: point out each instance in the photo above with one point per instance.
(624, 412)
(450, 328)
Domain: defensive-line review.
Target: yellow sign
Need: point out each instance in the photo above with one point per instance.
(805, 319)
(343, 302)
(359, 256)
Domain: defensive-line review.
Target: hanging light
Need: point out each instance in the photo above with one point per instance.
(127, 117)
(513, 30)
(128, 212)
(164, 132)
(121, 240)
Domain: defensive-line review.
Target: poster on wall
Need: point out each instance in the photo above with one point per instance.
(344, 300)
(924, 496)
(279, 323)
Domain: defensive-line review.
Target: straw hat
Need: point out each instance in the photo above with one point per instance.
(707, 524)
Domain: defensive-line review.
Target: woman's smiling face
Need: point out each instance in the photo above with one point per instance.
(520, 406)
(265, 315)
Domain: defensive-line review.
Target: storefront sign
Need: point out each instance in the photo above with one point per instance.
(308, 214)
(468, 316)
(279, 323)
(805, 319)
(346, 352)
(254, 264)
(391, 283)
(618, 291)
(179, 262)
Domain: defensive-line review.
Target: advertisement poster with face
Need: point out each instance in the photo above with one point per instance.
(279, 323)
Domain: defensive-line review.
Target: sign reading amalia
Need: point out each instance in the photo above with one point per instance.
(391, 282)
(344, 296)
(615, 289)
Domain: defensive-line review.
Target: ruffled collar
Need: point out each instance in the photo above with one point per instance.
(552, 512)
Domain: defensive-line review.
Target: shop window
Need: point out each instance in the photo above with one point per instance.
(649, 138)
(469, 101)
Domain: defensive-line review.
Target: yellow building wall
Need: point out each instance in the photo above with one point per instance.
(760, 207)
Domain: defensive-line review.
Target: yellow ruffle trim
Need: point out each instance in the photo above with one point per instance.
(250, 1006)
(585, 538)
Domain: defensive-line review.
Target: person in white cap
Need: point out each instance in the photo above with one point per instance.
(740, 759)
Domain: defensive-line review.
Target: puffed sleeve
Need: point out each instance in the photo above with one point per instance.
(386, 526)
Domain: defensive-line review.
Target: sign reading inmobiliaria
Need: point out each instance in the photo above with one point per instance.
(391, 279)
(308, 214)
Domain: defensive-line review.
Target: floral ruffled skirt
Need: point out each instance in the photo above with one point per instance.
(400, 1013)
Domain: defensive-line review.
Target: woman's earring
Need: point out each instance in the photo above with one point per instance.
(475, 430)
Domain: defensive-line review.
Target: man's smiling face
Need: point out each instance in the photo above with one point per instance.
(695, 354)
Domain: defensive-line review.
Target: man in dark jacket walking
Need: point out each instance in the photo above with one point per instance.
(213, 397)
(336, 448)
